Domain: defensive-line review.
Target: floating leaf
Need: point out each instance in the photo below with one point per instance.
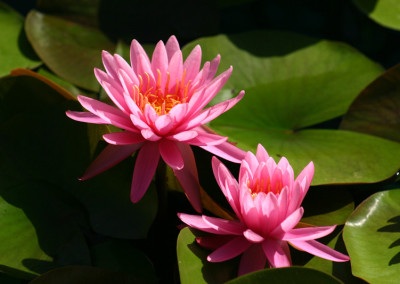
(376, 110)
(193, 264)
(69, 49)
(293, 82)
(384, 12)
(372, 238)
(286, 275)
(327, 207)
(15, 50)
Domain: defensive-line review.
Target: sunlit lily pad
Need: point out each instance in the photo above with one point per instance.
(384, 12)
(293, 82)
(69, 49)
(372, 238)
(376, 110)
(15, 50)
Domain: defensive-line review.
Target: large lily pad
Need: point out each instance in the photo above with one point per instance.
(69, 49)
(39, 226)
(376, 110)
(193, 264)
(15, 50)
(286, 275)
(293, 82)
(384, 12)
(39, 140)
(372, 238)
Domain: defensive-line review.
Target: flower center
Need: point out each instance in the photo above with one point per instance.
(260, 185)
(161, 99)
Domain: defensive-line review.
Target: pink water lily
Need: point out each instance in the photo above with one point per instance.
(159, 105)
(267, 201)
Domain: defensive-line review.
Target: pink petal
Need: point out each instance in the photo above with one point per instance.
(87, 117)
(183, 136)
(275, 253)
(109, 64)
(178, 112)
(175, 69)
(228, 227)
(197, 222)
(253, 259)
(124, 66)
(253, 236)
(207, 139)
(150, 114)
(252, 161)
(220, 108)
(320, 250)
(200, 99)
(228, 184)
(159, 60)
(214, 241)
(170, 153)
(109, 157)
(116, 96)
(123, 138)
(192, 63)
(269, 213)
(289, 223)
(136, 51)
(200, 77)
(148, 134)
(230, 250)
(172, 46)
(107, 113)
(143, 68)
(261, 154)
(145, 167)
(163, 124)
(308, 172)
(138, 122)
(227, 151)
(188, 177)
(213, 68)
(308, 233)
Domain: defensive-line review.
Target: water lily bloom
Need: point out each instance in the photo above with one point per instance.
(267, 202)
(159, 105)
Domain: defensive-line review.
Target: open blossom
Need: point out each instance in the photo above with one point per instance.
(267, 202)
(159, 106)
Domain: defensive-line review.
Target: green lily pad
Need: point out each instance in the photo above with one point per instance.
(15, 50)
(384, 12)
(327, 207)
(69, 49)
(39, 227)
(84, 275)
(376, 110)
(372, 238)
(286, 275)
(193, 264)
(81, 11)
(341, 270)
(293, 82)
(39, 140)
(65, 84)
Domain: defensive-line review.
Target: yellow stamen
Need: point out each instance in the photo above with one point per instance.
(161, 101)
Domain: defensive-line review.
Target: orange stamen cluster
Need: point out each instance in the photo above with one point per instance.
(161, 99)
(260, 186)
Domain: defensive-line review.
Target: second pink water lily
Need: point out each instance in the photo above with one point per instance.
(267, 201)
(160, 107)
